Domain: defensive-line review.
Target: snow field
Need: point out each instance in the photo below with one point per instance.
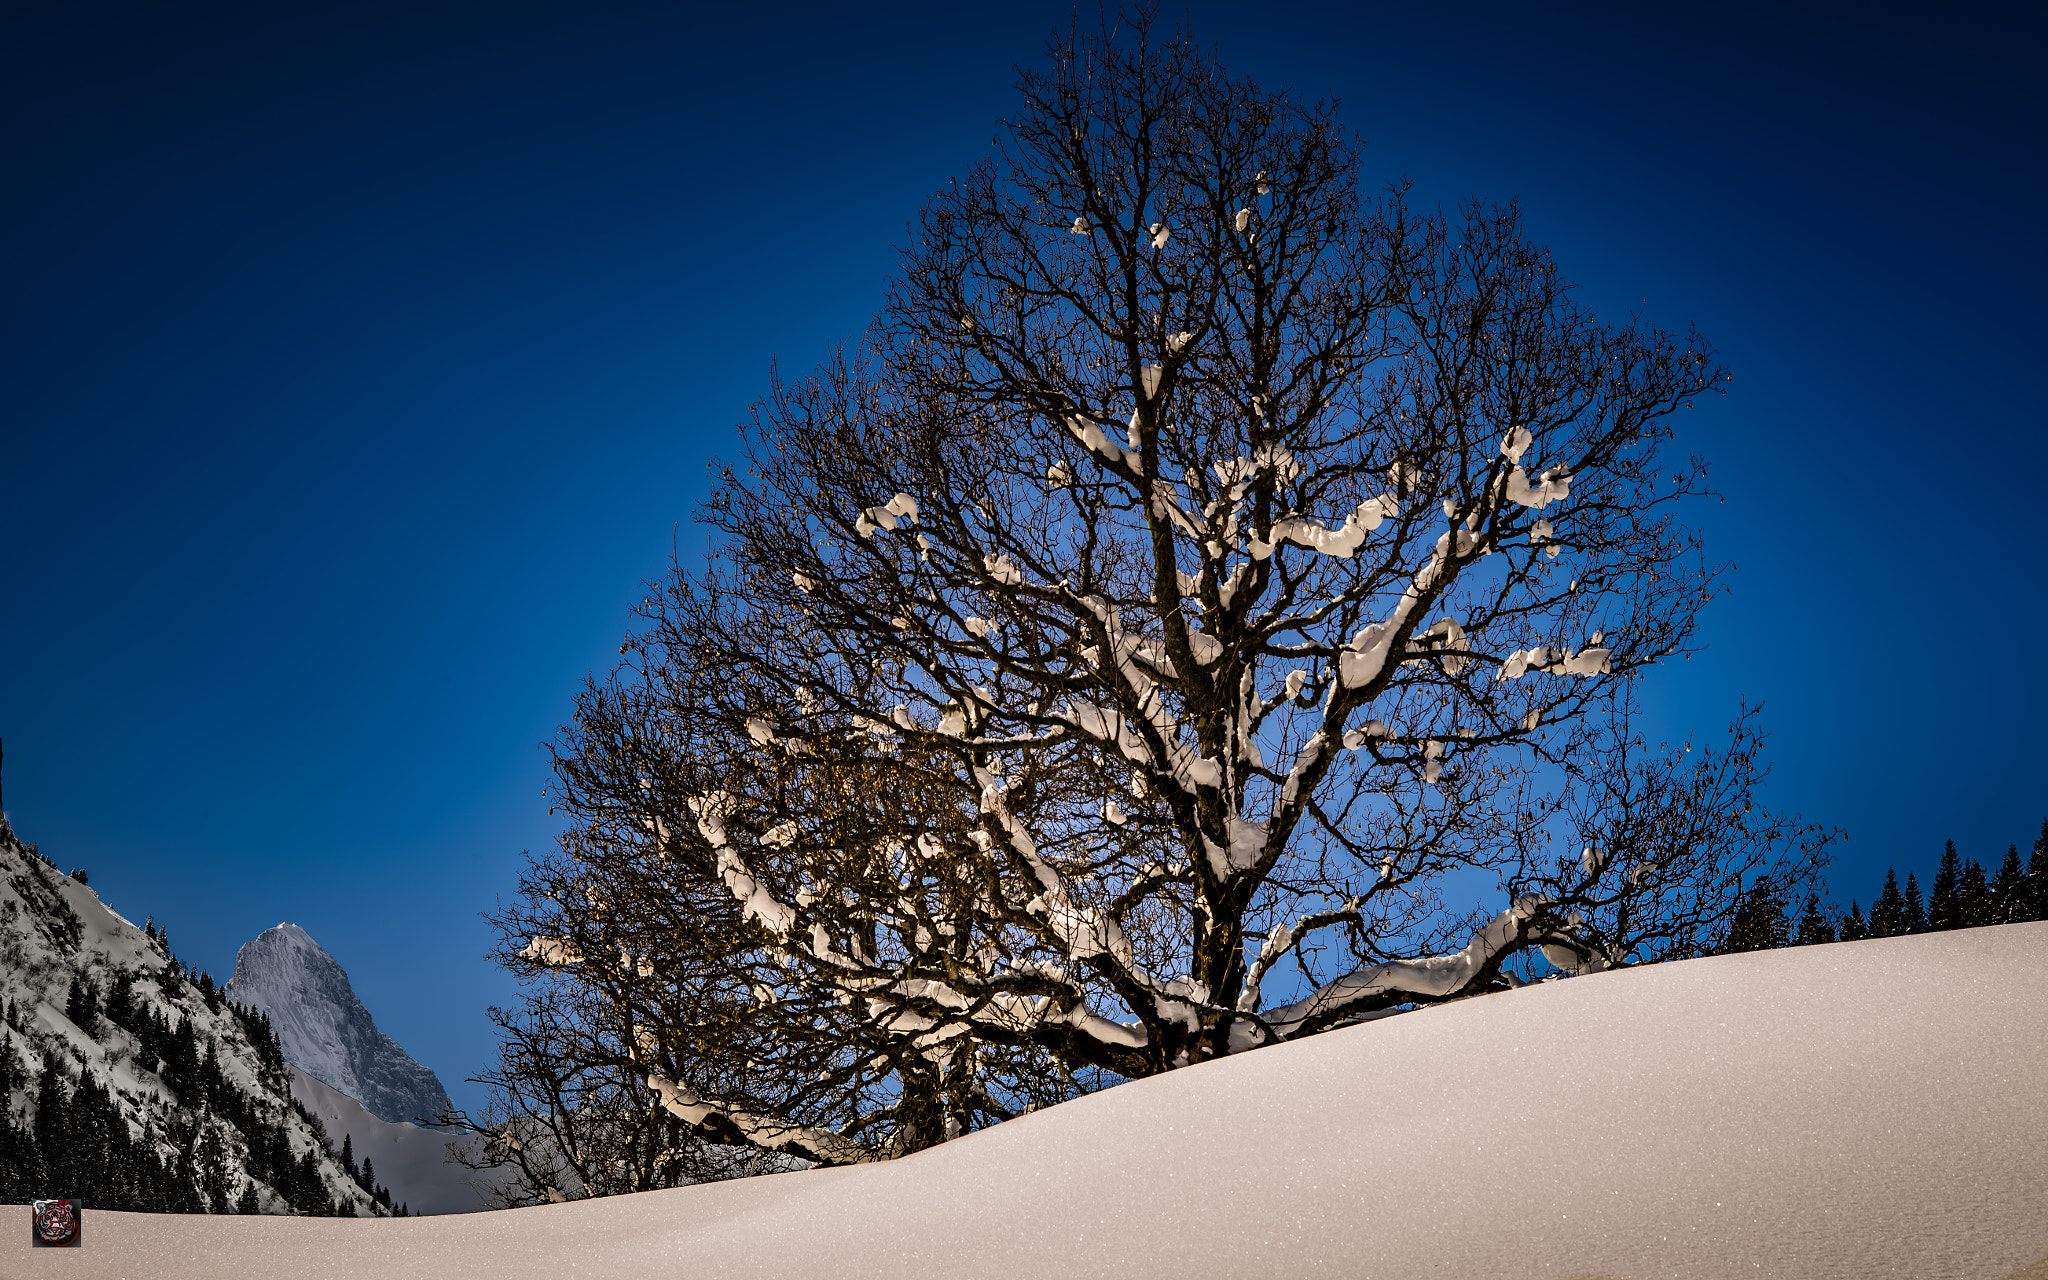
(1858, 1110)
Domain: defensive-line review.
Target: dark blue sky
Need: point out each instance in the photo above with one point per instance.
(357, 364)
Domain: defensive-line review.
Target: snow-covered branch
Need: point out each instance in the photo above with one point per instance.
(1199, 549)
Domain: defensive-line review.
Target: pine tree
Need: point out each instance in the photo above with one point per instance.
(13, 1145)
(1913, 917)
(81, 1006)
(247, 1204)
(212, 1168)
(1888, 913)
(2037, 876)
(1760, 922)
(348, 1156)
(120, 1006)
(1975, 895)
(1814, 926)
(1853, 928)
(1943, 906)
(49, 1131)
(184, 1055)
(309, 1193)
(2009, 893)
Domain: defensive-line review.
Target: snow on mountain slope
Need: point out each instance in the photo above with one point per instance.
(1859, 1110)
(324, 1028)
(179, 1065)
(410, 1160)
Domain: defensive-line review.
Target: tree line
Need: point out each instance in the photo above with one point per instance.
(1963, 894)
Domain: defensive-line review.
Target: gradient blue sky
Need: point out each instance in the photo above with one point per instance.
(357, 364)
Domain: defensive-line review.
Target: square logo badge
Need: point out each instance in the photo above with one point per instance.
(57, 1224)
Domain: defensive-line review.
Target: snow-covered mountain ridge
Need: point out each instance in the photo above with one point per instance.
(325, 1030)
(129, 1078)
(1815, 1113)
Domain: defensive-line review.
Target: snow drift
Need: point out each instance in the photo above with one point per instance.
(1857, 1110)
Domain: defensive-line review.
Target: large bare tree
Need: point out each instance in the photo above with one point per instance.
(1197, 614)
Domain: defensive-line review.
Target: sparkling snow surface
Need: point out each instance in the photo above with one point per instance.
(1860, 1110)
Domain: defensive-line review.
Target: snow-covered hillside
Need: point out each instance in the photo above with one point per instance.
(1860, 1110)
(209, 1120)
(326, 1031)
(410, 1160)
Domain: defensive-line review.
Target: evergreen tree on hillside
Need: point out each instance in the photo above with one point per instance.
(1912, 916)
(1814, 926)
(81, 1006)
(1944, 906)
(13, 1145)
(185, 1197)
(211, 1162)
(49, 1126)
(2009, 900)
(1975, 895)
(1853, 927)
(1888, 913)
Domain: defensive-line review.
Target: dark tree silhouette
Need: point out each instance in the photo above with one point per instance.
(1888, 913)
(2037, 876)
(2009, 898)
(1974, 896)
(1815, 927)
(1760, 922)
(1944, 903)
(1912, 915)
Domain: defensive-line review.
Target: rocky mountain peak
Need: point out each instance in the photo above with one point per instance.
(325, 1030)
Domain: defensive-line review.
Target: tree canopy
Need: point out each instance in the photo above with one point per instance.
(1203, 610)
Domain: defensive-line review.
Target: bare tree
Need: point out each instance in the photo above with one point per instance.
(648, 971)
(1203, 573)
(1675, 846)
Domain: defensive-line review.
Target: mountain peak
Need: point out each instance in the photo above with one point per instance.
(91, 998)
(324, 1028)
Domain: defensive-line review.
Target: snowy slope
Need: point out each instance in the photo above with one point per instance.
(1861, 1110)
(53, 927)
(410, 1160)
(324, 1028)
